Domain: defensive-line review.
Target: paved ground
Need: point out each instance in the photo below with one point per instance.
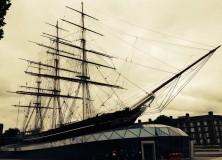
(207, 158)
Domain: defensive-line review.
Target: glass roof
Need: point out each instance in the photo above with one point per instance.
(134, 131)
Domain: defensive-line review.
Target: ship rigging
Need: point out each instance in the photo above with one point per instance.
(71, 100)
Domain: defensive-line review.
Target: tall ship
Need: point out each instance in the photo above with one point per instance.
(75, 91)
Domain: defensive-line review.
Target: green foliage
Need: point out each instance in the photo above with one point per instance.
(11, 132)
(4, 6)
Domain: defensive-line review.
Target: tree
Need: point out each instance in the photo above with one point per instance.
(4, 6)
(162, 119)
(11, 132)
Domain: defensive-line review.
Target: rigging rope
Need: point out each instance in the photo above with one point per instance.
(153, 40)
(170, 98)
(150, 30)
(144, 52)
(111, 88)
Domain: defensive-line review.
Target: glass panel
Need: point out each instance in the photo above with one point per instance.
(115, 136)
(135, 131)
(129, 135)
(201, 141)
(150, 130)
(181, 132)
(165, 130)
(207, 134)
(108, 134)
(216, 128)
(173, 132)
(102, 137)
(208, 141)
(195, 141)
(87, 137)
(97, 135)
(144, 133)
(157, 132)
(80, 139)
(121, 133)
(159, 125)
(91, 139)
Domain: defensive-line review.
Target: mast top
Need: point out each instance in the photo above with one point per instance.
(82, 12)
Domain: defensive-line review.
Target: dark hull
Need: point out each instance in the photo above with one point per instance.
(104, 122)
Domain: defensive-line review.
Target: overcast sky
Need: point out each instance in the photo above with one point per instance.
(199, 21)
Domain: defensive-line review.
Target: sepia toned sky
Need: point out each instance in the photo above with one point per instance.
(198, 21)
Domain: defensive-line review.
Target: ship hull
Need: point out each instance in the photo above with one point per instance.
(100, 123)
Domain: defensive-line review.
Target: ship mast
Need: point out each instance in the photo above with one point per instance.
(49, 96)
(85, 79)
(56, 99)
(38, 103)
(84, 68)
